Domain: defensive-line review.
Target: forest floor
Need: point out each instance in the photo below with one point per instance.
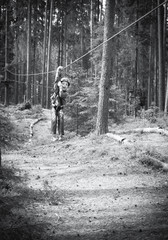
(84, 188)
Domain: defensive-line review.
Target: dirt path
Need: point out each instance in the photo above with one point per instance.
(91, 188)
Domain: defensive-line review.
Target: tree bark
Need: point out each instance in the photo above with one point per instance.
(91, 36)
(34, 53)
(166, 55)
(151, 65)
(6, 102)
(16, 76)
(105, 82)
(65, 39)
(62, 38)
(161, 70)
(84, 60)
(28, 78)
(136, 61)
(44, 57)
(48, 55)
(0, 159)
(166, 100)
(16, 86)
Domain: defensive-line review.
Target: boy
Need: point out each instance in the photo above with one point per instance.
(58, 99)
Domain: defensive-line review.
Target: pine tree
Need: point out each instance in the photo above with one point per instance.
(105, 82)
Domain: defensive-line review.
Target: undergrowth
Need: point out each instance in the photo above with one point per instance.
(10, 137)
(6, 128)
(34, 112)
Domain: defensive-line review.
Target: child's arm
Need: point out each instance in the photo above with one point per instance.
(58, 75)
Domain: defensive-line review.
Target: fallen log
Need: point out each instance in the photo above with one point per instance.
(116, 137)
(143, 130)
(116, 134)
(155, 162)
(34, 123)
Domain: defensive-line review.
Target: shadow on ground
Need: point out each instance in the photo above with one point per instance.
(19, 219)
(23, 215)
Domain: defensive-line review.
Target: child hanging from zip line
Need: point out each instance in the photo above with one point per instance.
(61, 85)
(58, 98)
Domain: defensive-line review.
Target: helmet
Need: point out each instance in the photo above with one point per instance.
(65, 79)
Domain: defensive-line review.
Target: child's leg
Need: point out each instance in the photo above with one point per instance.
(58, 104)
(53, 121)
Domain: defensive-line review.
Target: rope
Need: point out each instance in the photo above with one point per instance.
(93, 49)
(22, 82)
(30, 74)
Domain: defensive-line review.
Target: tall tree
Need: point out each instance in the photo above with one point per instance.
(105, 82)
(16, 96)
(48, 55)
(35, 39)
(166, 55)
(91, 34)
(136, 57)
(151, 62)
(161, 62)
(28, 83)
(44, 55)
(6, 103)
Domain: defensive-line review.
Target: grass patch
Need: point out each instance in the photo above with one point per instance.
(34, 112)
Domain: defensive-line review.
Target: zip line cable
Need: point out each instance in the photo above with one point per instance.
(93, 49)
(33, 84)
(116, 34)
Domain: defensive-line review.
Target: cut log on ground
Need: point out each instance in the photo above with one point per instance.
(155, 162)
(116, 137)
(116, 134)
(32, 125)
(144, 130)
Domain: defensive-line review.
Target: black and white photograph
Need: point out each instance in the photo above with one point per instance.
(83, 119)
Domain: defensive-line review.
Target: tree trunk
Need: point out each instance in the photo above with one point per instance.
(65, 39)
(98, 10)
(28, 78)
(82, 44)
(16, 76)
(151, 65)
(62, 39)
(166, 55)
(91, 37)
(59, 49)
(84, 60)
(0, 159)
(34, 54)
(136, 61)
(105, 82)
(6, 103)
(156, 65)
(44, 57)
(16, 86)
(166, 99)
(48, 56)
(161, 66)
